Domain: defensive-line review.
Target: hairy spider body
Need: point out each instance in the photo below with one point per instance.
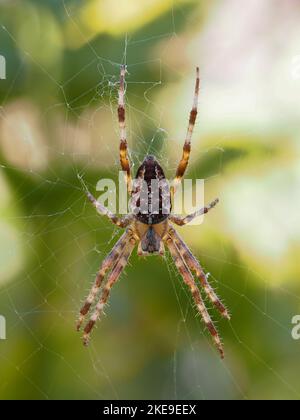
(148, 227)
(151, 200)
(150, 238)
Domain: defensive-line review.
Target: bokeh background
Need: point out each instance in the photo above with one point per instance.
(58, 119)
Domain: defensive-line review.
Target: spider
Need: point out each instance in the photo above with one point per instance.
(151, 232)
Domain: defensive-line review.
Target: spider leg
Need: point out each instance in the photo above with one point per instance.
(124, 160)
(189, 280)
(180, 221)
(106, 265)
(187, 144)
(194, 265)
(112, 278)
(121, 222)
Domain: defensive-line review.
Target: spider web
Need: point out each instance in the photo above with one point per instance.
(121, 357)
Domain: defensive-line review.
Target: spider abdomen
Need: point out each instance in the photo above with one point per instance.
(150, 201)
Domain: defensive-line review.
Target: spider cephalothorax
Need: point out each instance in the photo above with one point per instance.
(148, 227)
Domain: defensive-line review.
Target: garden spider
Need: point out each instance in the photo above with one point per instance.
(151, 231)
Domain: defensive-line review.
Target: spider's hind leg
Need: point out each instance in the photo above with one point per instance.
(187, 144)
(124, 158)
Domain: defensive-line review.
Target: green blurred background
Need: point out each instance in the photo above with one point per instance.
(58, 119)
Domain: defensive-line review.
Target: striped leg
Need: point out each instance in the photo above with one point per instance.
(194, 265)
(187, 144)
(107, 264)
(121, 222)
(180, 221)
(124, 160)
(112, 278)
(189, 280)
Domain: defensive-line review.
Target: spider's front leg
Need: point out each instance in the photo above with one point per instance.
(112, 278)
(106, 265)
(195, 267)
(189, 281)
(184, 220)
